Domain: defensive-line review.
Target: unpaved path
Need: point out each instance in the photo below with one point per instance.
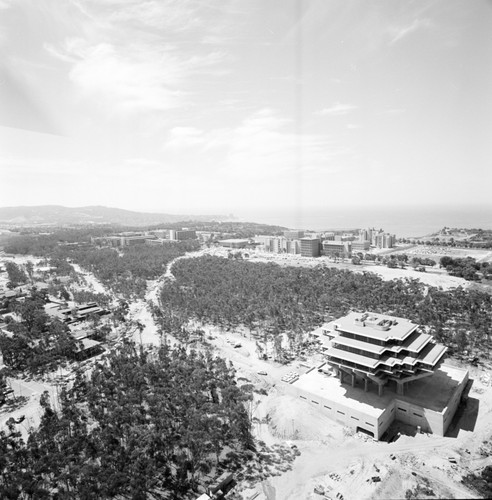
(92, 281)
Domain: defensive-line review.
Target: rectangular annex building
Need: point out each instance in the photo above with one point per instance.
(380, 368)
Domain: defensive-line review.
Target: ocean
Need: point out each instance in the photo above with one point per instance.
(403, 222)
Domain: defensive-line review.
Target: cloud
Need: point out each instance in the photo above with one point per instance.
(393, 111)
(262, 146)
(135, 56)
(185, 137)
(173, 15)
(27, 167)
(138, 78)
(337, 109)
(398, 33)
(169, 15)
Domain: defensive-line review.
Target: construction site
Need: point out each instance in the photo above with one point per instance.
(380, 369)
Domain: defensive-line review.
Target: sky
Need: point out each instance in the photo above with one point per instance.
(242, 106)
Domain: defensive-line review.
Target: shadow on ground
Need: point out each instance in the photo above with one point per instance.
(465, 418)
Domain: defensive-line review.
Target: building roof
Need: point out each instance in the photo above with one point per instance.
(351, 357)
(434, 354)
(414, 344)
(433, 393)
(376, 326)
(358, 344)
(235, 240)
(89, 344)
(333, 243)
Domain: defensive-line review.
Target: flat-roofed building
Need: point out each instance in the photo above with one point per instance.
(310, 247)
(157, 242)
(293, 247)
(77, 313)
(278, 244)
(380, 239)
(366, 234)
(234, 243)
(348, 237)
(429, 403)
(330, 236)
(292, 234)
(337, 248)
(360, 246)
(384, 240)
(366, 352)
(182, 234)
(128, 241)
(123, 240)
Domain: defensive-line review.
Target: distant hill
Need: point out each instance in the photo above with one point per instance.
(59, 215)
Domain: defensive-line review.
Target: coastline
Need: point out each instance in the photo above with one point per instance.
(404, 222)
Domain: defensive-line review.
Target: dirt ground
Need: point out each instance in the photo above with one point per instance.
(91, 282)
(437, 278)
(338, 461)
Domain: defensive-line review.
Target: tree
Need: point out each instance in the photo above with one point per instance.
(15, 274)
(461, 340)
(64, 295)
(30, 270)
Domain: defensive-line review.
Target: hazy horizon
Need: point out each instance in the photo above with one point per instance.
(186, 107)
(408, 221)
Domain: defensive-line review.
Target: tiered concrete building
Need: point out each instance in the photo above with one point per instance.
(377, 348)
(379, 369)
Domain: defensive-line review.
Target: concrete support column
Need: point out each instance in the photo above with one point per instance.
(380, 390)
(366, 385)
(341, 376)
(400, 386)
(353, 380)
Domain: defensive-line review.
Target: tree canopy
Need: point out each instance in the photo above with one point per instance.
(35, 342)
(229, 293)
(142, 422)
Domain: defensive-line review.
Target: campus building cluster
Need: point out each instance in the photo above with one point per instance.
(333, 244)
(379, 369)
(156, 237)
(76, 316)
